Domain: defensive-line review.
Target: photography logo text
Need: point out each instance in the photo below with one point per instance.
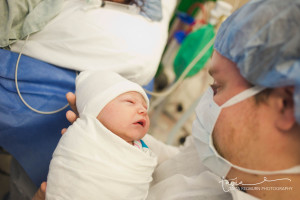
(233, 184)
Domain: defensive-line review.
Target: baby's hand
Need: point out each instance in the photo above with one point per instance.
(71, 115)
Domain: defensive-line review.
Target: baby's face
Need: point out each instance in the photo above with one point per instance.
(126, 116)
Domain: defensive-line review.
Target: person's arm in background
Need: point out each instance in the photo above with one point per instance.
(162, 150)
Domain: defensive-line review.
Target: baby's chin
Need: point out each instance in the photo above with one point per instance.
(140, 136)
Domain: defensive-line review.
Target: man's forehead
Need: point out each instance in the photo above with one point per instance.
(221, 65)
(215, 68)
(215, 63)
(212, 70)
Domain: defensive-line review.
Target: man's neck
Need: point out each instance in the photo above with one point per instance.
(278, 187)
(269, 186)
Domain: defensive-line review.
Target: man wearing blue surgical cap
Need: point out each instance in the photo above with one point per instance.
(245, 141)
(253, 130)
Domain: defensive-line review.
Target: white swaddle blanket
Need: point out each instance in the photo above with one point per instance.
(91, 162)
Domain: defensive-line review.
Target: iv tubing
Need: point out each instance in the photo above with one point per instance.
(185, 72)
(19, 93)
(186, 115)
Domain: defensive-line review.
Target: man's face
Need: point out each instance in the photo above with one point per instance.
(236, 129)
(126, 116)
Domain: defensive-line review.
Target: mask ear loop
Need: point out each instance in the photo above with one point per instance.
(19, 93)
(243, 95)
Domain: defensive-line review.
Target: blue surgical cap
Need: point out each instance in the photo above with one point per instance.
(263, 39)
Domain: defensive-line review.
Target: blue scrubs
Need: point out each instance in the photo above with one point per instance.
(31, 137)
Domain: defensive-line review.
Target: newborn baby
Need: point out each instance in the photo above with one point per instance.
(102, 156)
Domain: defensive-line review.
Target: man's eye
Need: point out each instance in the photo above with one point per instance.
(214, 88)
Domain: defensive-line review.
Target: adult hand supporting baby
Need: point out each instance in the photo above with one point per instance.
(71, 115)
(41, 193)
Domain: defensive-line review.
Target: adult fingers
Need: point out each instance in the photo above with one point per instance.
(41, 193)
(71, 116)
(71, 98)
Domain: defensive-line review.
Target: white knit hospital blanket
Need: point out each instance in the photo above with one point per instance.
(90, 162)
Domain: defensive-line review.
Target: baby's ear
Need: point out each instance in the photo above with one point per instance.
(285, 107)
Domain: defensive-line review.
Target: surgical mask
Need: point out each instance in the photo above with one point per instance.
(207, 113)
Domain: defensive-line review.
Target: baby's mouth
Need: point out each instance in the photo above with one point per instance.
(142, 122)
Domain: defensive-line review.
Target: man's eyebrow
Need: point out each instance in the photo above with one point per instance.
(211, 71)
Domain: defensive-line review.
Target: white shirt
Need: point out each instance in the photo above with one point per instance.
(181, 175)
(239, 195)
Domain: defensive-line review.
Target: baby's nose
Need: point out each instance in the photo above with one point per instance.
(142, 110)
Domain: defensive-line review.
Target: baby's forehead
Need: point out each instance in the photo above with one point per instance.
(132, 94)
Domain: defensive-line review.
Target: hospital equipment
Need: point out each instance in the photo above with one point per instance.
(181, 22)
(181, 27)
(170, 53)
(190, 47)
(196, 41)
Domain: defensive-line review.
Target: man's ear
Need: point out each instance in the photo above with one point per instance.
(285, 106)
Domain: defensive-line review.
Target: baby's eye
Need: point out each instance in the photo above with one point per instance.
(129, 101)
